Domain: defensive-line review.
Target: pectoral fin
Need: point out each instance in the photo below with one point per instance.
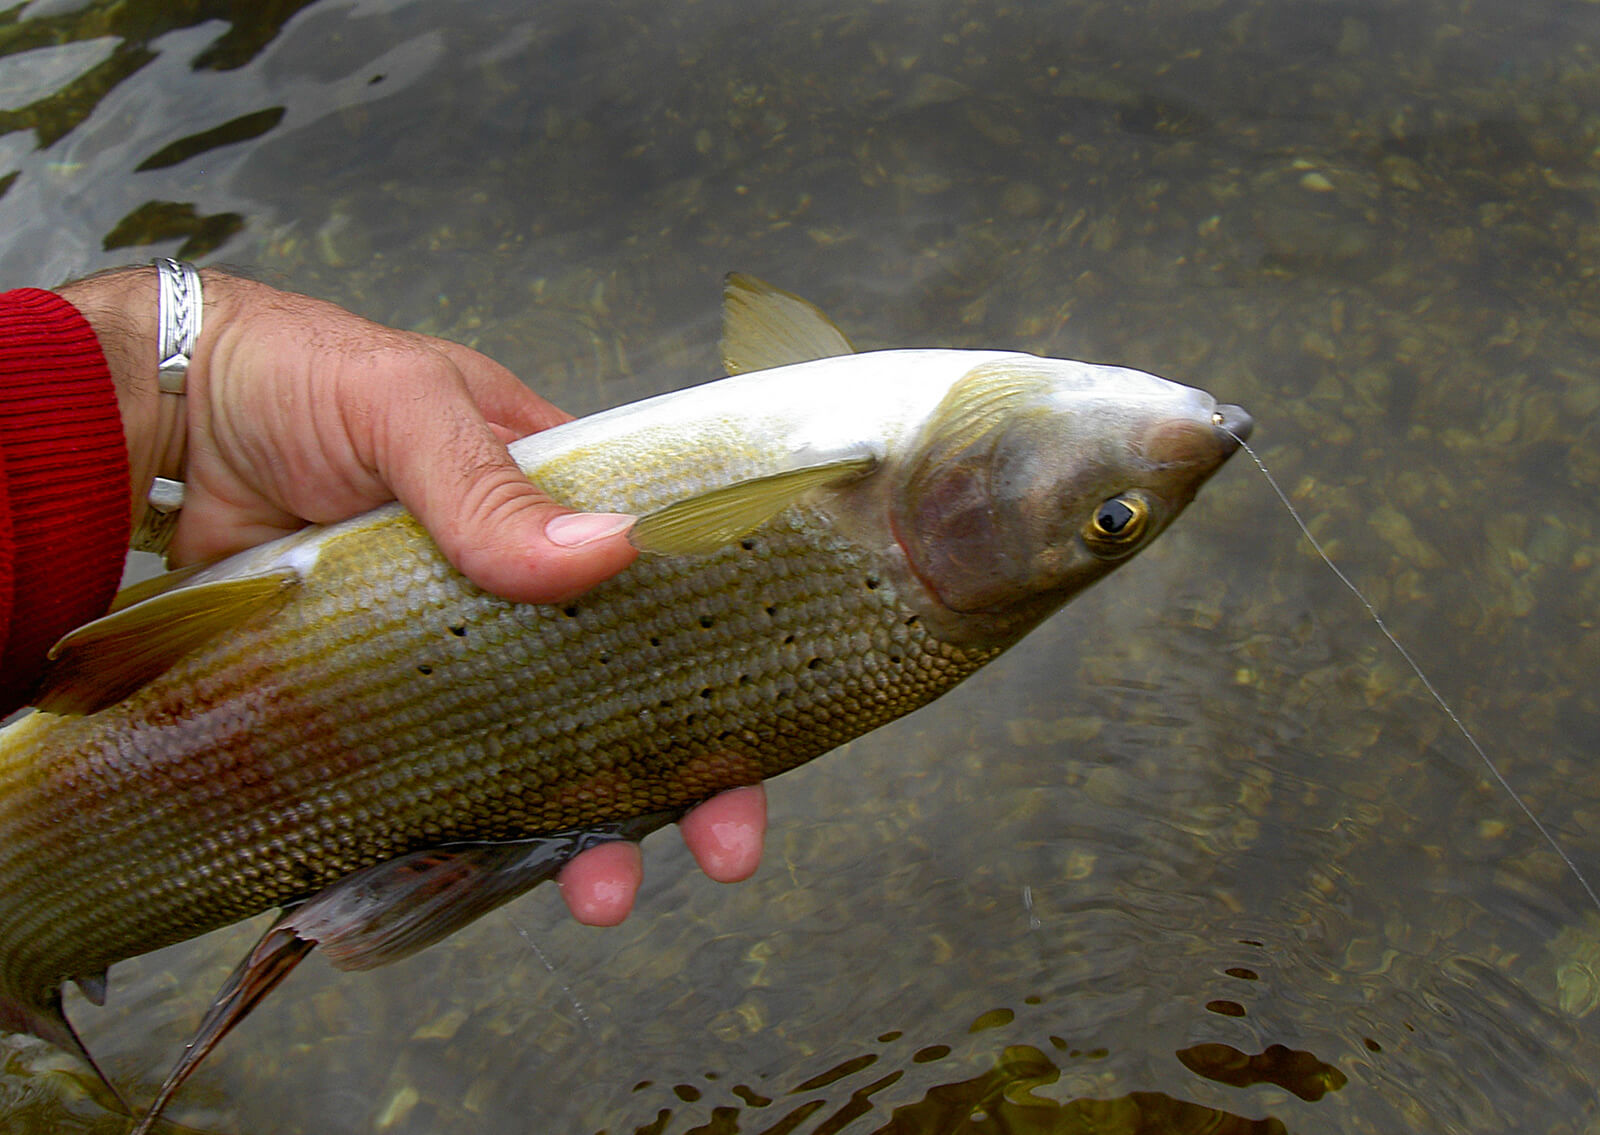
(715, 519)
(106, 660)
(384, 913)
(765, 327)
(136, 593)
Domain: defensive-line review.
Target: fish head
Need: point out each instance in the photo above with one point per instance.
(1036, 477)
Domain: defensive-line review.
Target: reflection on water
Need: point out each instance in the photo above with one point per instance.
(1005, 1099)
(1203, 837)
(63, 59)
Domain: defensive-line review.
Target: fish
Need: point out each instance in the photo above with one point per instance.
(338, 726)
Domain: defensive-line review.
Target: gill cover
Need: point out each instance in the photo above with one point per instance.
(1035, 477)
(980, 514)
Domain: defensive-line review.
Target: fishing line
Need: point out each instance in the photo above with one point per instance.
(1455, 720)
(565, 988)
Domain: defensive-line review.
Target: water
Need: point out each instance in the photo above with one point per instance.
(1207, 805)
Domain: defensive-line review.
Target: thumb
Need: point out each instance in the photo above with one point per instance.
(500, 530)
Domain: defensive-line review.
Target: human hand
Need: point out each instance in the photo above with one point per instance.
(296, 410)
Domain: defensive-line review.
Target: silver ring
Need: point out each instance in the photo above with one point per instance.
(180, 308)
(160, 519)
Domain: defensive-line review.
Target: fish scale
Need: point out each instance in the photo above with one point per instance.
(656, 690)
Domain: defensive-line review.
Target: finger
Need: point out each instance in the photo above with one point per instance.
(600, 884)
(509, 538)
(726, 833)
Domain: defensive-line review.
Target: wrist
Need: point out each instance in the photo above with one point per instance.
(121, 306)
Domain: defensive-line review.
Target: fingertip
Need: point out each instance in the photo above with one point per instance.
(599, 885)
(727, 833)
(533, 551)
(581, 529)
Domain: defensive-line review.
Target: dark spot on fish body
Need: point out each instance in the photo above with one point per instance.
(1225, 1008)
(1242, 974)
(424, 669)
(459, 630)
(305, 875)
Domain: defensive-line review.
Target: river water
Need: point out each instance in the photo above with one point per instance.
(1202, 854)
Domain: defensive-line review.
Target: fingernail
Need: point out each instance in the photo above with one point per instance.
(575, 529)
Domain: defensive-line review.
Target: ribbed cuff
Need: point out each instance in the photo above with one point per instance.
(64, 479)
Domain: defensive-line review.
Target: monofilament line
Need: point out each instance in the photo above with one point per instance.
(565, 988)
(1455, 720)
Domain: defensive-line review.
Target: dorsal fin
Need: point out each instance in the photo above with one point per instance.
(104, 661)
(712, 520)
(765, 327)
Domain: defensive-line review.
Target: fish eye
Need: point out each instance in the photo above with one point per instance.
(1117, 524)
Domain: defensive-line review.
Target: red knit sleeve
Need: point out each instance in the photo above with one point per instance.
(64, 490)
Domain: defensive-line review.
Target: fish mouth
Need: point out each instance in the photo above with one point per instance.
(1185, 443)
(1234, 423)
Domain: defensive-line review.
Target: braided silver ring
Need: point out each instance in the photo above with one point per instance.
(180, 307)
